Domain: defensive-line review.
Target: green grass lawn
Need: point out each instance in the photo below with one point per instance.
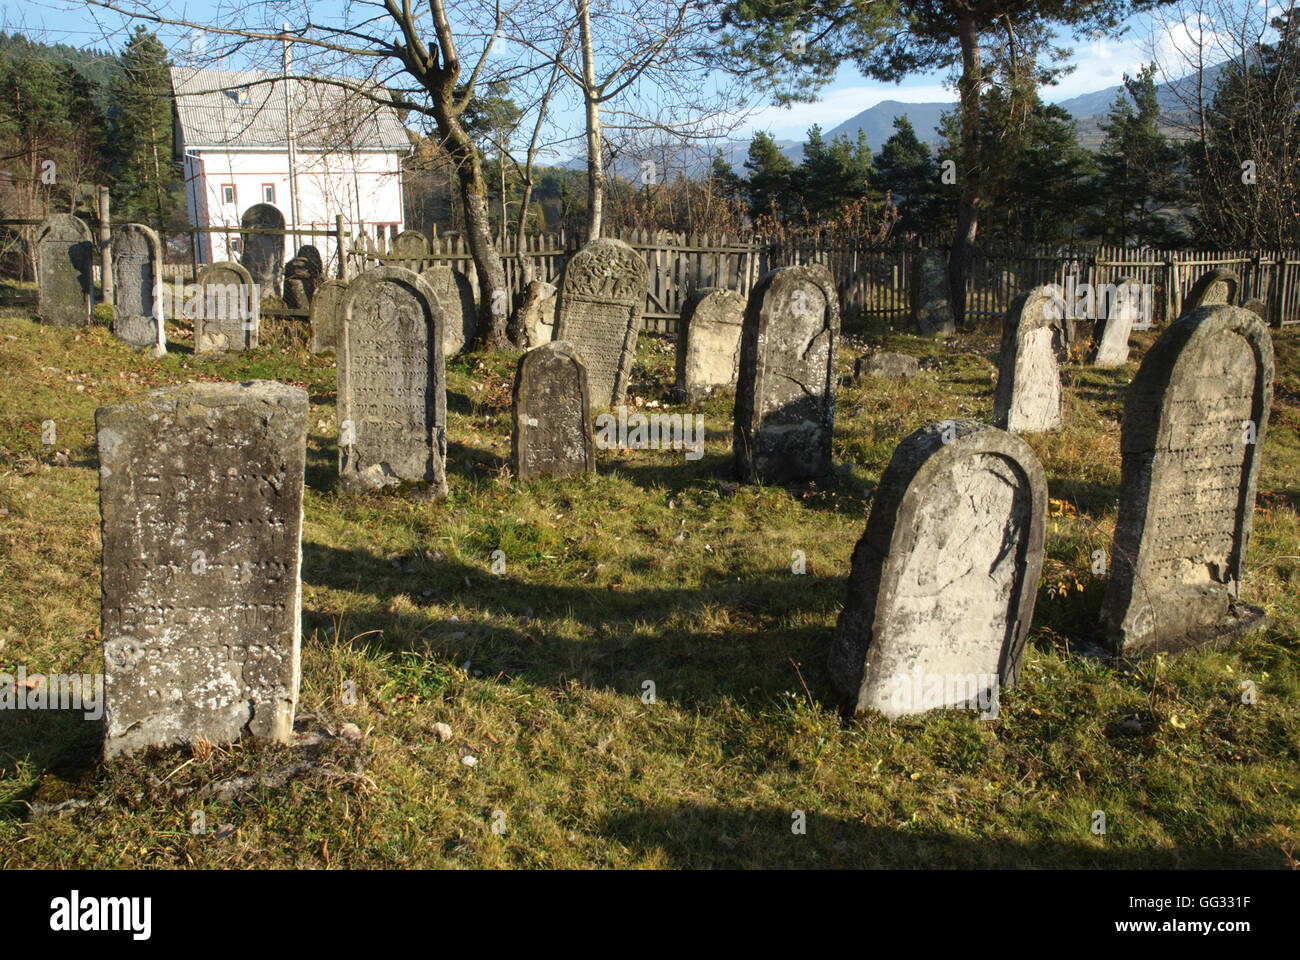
(655, 569)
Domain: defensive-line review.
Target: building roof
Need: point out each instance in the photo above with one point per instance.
(245, 109)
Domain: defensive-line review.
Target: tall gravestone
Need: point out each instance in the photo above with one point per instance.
(943, 582)
(263, 254)
(137, 282)
(785, 389)
(1123, 308)
(1028, 396)
(229, 309)
(552, 414)
(601, 299)
(201, 501)
(459, 310)
(1217, 286)
(392, 394)
(65, 254)
(931, 295)
(413, 248)
(326, 315)
(708, 342)
(1194, 424)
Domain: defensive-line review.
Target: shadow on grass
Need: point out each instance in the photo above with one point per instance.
(60, 744)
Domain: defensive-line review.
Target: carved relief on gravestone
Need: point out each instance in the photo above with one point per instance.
(601, 299)
(459, 310)
(137, 285)
(1212, 287)
(326, 315)
(931, 296)
(708, 343)
(1122, 309)
(942, 588)
(299, 283)
(1028, 396)
(65, 254)
(392, 399)
(413, 247)
(229, 309)
(1194, 424)
(201, 502)
(537, 312)
(263, 254)
(552, 414)
(785, 390)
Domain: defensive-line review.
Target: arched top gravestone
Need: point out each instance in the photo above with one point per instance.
(65, 254)
(137, 282)
(1217, 286)
(229, 309)
(1028, 396)
(708, 342)
(413, 247)
(552, 414)
(460, 312)
(942, 588)
(263, 254)
(602, 296)
(326, 314)
(1194, 424)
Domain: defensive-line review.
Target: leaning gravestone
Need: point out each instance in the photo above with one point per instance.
(299, 284)
(785, 391)
(263, 254)
(413, 247)
(312, 256)
(1194, 423)
(942, 588)
(201, 500)
(392, 394)
(65, 253)
(537, 311)
(326, 314)
(708, 343)
(459, 310)
(1212, 287)
(137, 282)
(601, 299)
(1028, 396)
(552, 414)
(931, 296)
(229, 309)
(1123, 306)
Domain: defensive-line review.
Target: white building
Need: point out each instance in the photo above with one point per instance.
(232, 136)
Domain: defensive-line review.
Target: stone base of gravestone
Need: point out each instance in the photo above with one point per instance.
(888, 366)
(708, 343)
(552, 414)
(931, 297)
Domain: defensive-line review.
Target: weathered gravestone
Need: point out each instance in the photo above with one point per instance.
(889, 366)
(1194, 423)
(200, 494)
(1123, 308)
(1257, 307)
(299, 284)
(459, 309)
(326, 315)
(708, 342)
(137, 284)
(229, 309)
(537, 311)
(1028, 396)
(413, 247)
(392, 394)
(931, 296)
(601, 299)
(942, 588)
(552, 414)
(65, 253)
(1212, 287)
(309, 253)
(785, 390)
(263, 254)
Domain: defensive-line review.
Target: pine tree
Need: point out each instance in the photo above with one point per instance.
(771, 179)
(146, 175)
(906, 170)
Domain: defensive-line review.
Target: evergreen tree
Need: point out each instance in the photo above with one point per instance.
(147, 187)
(771, 179)
(906, 170)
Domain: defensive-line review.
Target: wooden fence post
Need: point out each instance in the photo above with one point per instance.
(341, 244)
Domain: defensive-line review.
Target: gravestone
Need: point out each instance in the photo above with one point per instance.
(326, 315)
(538, 312)
(65, 253)
(263, 254)
(230, 309)
(1028, 396)
(1257, 307)
(137, 282)
(459, 309)
(889, 366)
(413, 247)
(601, 299)
(1194, 424)
(1123, 308)
(309, 253)
(943, 582)
(392, 394)
(552, 414)
(299, 284)
(708, 343)
(931, 296)
(1212, 287)
(785, 390)
(200, 494)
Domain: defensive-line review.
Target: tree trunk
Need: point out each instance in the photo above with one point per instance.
(963, 241)
(595, 169)
(515, 330)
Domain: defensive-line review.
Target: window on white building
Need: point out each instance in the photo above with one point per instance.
(268, 193)
(227, 193)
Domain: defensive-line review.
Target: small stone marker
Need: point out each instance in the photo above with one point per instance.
(552, 414)
(263, 254)
(326, 315)
(459, 309)
(230, 309)
(299, 283)
(392, 394)
(200, 493)
(601, 299)
(708, 343)
(413, 247)
(1123, 308)
(1194, 424)
(785, 391)
(942, 588)
(1212, 287)
(309, 253)
(1028, 397)
(931, 296)
(137, 280)
(538, 312)
(65, 253)
(889, 366)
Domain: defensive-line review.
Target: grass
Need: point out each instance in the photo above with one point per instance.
(654, 570)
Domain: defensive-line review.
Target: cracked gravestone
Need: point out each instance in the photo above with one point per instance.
(1123, 305)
